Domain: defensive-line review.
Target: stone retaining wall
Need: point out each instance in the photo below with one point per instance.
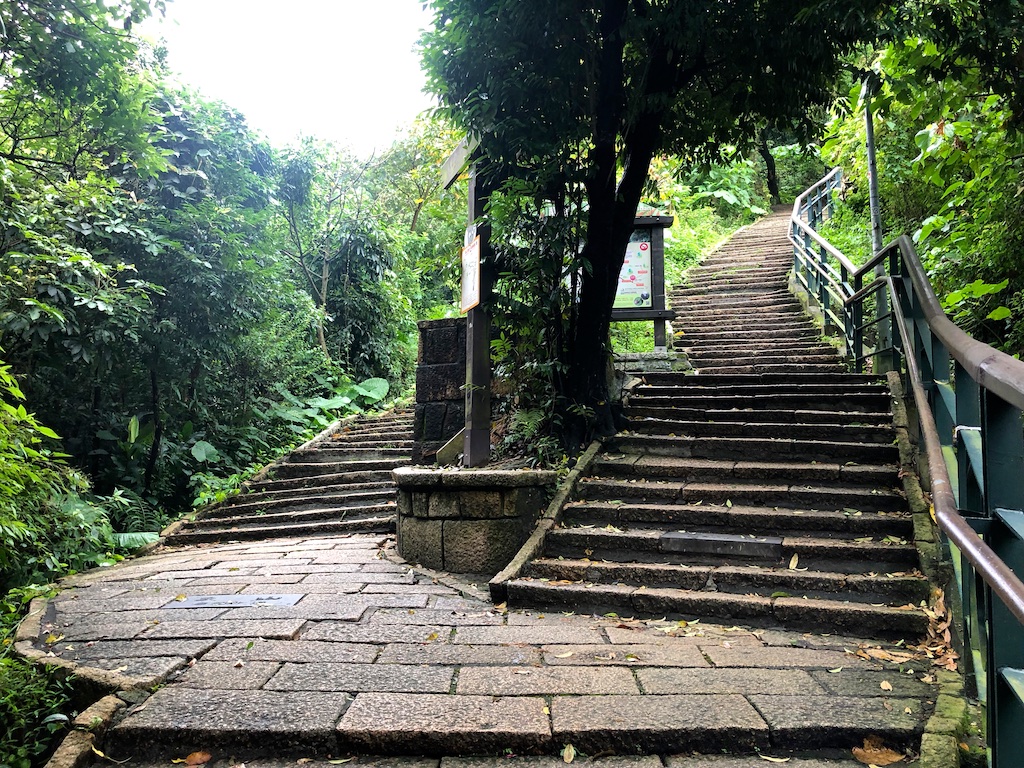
(468, 521)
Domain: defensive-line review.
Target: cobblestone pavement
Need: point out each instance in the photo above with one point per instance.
(331, 647)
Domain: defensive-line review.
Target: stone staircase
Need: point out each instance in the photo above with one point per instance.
(338, 483)
(762, 490)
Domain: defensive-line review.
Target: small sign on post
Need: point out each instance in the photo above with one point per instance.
(471, 275)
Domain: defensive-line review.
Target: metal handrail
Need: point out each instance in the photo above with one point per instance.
(1003, 581)
(980, 404)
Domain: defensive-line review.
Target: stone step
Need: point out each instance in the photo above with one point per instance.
(771, 368)
(742, 332)
(267, 492)
(747, 493)
(731, 346)
(340, 498)
(756, 610)
(894, 588)
(307, 469)
(677, 468)
(656, 545)
(346, 453)
(382, 524)
(326, 510)
(650, 441)
(639, 408)
(357, 480)
(391, 440)
(758, 520)
(846, 433)
(786, 351)
(762, 361)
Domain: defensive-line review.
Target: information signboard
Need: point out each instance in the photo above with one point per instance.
(635, 280)
(471, 275)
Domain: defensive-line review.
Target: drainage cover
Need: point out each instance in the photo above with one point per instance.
(233, 601)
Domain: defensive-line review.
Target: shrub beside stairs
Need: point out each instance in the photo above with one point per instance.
(762, 489)
(338, 483)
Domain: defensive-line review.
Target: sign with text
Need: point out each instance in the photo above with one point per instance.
(635, 280)
(471, 275)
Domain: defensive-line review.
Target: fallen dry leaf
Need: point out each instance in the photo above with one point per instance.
(774, 759)
(874, 752)
(198, 758)
(793, 561)
(565, 655)
(885, 685)
(569, 753)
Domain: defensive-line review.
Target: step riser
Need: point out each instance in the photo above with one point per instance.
(766, 583)
(789, 498)
(763, 613)
(207, 536)
(744, 450)
(638, 408)
(757, 521)
(837, 433)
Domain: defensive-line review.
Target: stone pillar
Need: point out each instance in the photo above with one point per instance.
(440, 378)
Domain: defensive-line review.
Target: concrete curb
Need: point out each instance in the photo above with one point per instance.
(78, 747)
(498, 590)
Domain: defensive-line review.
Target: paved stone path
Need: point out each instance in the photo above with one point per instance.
(374, 657)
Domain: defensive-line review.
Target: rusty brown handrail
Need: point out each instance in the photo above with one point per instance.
(1003, 581)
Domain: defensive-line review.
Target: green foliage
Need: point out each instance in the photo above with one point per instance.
(798, 168)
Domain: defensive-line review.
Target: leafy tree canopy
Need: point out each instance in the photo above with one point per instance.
(567, 94)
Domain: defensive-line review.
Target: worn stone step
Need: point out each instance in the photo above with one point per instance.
(643, 465)
(846, 433)
(741, 519)
(756, 353)
(743, 331)
(639, 407)
(745, 380)
(757, 610)
(748, 493)
(262, 492)
(357, 480)
(773, 368)
(382, 524)
(653, 544)
(346, 453)
(320, 468)
(894, 589)
(324, 511)
(752, 346)
(339, 499)
(358, 441)
(648, 439)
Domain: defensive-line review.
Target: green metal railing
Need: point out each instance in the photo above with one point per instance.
(968, 398)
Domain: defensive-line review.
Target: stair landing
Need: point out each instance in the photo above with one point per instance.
(372, 657)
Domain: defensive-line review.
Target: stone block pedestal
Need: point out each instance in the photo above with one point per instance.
(468, 520)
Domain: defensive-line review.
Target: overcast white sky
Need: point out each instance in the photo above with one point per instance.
(344, 70)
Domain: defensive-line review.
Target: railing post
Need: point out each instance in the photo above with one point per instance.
(855, 333)
(1003, 448)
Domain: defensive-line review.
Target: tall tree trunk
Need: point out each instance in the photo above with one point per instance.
(770, 171)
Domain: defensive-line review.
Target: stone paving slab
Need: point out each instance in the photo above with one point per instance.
(503, 681)
(433, 724)
(629, 655)
(238, 721)
(390, 678)
(802, 722)
(228, 675)
(742, 681)
(658, 723)
(280, 629)
(460, 655)
(261, 649)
